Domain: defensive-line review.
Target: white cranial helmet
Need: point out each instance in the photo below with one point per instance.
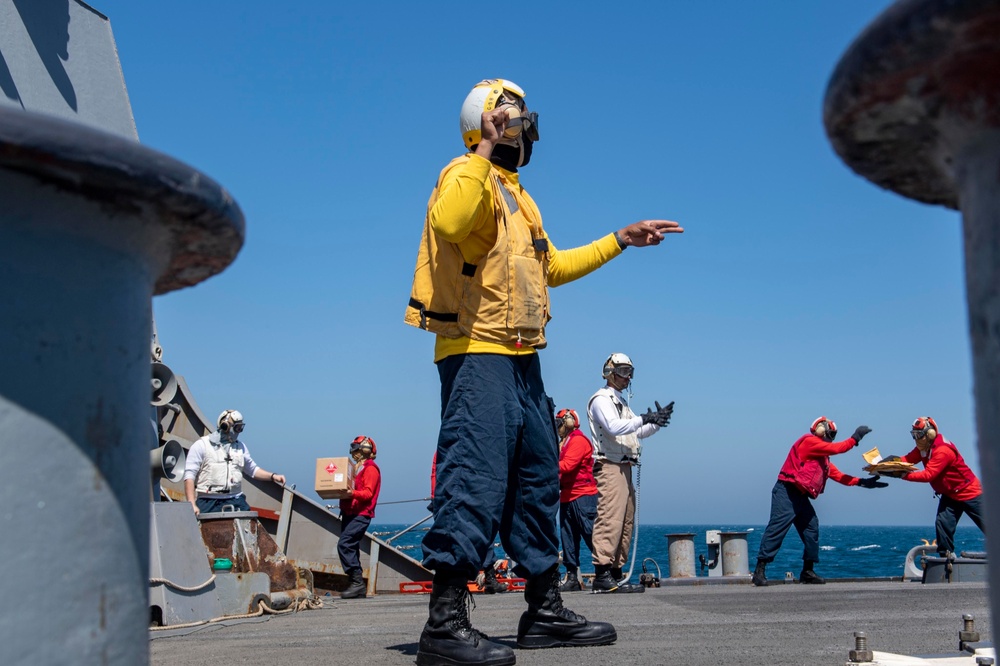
(617, 360)
(229, 419)
(486, 96)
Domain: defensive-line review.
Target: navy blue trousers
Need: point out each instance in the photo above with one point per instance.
(576, 521)
(497, 467)
(948, 512)
(790, 506)
(352, 530)
(239, 503)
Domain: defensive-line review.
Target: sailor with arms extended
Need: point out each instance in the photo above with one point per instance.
(483, 270)
(949, 476)
(216, 463)
(802, 479)
(617, 431)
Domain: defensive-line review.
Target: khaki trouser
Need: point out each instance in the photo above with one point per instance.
(615, 514)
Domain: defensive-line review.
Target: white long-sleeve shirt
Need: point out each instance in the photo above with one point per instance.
(607, 422)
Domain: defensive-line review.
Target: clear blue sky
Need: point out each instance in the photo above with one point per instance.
(798, 289)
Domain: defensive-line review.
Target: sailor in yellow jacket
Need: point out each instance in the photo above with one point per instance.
(481, 285)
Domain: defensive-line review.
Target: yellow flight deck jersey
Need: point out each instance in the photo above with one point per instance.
(485, 262)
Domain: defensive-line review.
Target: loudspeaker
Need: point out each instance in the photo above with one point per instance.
(164, 385)
(167, 462)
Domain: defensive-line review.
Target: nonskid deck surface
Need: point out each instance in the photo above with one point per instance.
(709, 625)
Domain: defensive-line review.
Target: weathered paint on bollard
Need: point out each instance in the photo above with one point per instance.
(914, 107)
(680, 548)
(735, 559)
(92, 226)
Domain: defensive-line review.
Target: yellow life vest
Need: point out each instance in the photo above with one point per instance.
(501, 298)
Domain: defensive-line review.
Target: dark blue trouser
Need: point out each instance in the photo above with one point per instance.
(497, 467)
(576, 521)
(948, 512)
(790, 506)
(352, 530)
(214, 505)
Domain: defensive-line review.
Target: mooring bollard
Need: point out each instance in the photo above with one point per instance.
(92, 226)
(680, 548)
(735, 560)
(913, 107)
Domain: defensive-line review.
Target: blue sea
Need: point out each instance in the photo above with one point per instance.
(845, 551)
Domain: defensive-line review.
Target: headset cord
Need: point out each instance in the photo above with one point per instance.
(635, 519)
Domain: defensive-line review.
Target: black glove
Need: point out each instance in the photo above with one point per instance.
(872, 482)
(664, 412)
(860, 432)
(650, 416)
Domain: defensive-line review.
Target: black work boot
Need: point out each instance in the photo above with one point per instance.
(490, 583)
(449, 638)
(357, 587)
(572, 582)
(759, 578)
(603, 582)
(547, 623)
(623, 585)
(809, 576)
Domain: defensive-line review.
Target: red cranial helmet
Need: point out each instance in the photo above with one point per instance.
(924, 426)
(824, 427)
(364, 444)
(568, 418)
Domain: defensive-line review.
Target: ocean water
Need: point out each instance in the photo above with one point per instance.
(845, 551)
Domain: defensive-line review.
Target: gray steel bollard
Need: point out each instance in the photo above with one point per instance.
(91, 227)
(735, 560)
(680, 547)
(913, 107)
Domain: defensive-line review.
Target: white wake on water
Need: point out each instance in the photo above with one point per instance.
(868, 547)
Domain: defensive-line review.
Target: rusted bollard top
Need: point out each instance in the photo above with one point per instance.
(204, 226)
(915, 87)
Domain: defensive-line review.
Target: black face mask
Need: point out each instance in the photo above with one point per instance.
(507, 156)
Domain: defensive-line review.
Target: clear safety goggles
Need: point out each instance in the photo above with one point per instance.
(238, 427)
(623, 371)
(918, 434)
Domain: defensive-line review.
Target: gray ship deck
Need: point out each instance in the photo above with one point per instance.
(691, 625)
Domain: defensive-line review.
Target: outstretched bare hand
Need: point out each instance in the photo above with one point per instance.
(648, 232)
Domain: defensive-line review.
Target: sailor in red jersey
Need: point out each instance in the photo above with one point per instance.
(949, 476)
(577, 494)
(802, 478)
(357, 511)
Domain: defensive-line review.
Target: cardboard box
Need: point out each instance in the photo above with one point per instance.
(334, 476)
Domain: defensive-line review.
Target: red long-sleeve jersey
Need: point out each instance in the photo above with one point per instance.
(576, 468)
(367, 485)
(808, 464)
(945, 470)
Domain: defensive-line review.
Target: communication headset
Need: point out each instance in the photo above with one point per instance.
(364, 444)
(230, 419)
(825, 428)
(568, 418)
(924, 426)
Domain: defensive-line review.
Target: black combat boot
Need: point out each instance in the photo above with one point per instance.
(624, 586)
(603, 582)
(572, 581)
(809, 576)
(490, 583)
(357, 587)
(547, 623)
(449, 638)
(759, 578)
